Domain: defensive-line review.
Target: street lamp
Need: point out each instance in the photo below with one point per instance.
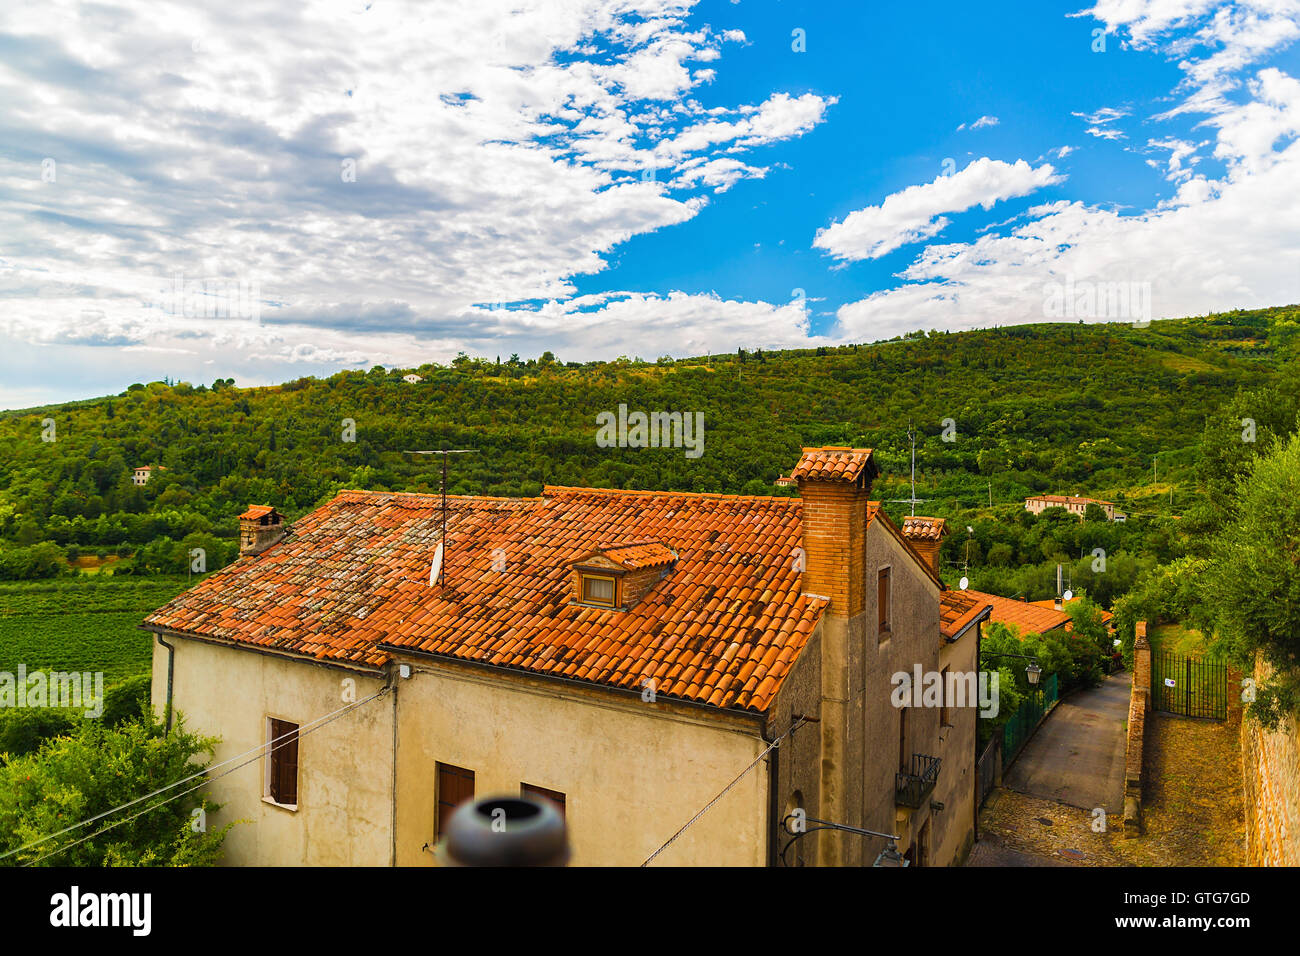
(1032, 672)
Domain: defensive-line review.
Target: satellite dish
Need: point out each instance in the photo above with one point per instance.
(1069, 595)
(963, 584)
(435, 569)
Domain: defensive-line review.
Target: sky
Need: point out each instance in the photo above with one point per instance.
(266, 190)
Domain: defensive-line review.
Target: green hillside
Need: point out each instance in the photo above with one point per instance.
(1062, 408)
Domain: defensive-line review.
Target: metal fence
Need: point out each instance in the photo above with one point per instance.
(986, 770)
(1182, 685)
(1020, 727)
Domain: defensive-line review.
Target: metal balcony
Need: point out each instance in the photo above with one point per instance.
(912, 789)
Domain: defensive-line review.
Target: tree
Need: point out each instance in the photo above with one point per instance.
(96, 770)
(1250, 591)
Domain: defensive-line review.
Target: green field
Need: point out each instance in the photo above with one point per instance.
(84, 624)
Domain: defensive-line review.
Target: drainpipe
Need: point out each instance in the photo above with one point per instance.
(171, 669)
(773, 800)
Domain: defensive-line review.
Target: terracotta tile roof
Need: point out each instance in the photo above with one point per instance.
(636, 555)
(1106, 616)
(1028, 617)
(958, 610)
(257, 511)
(350, 583)
(834, 463)
(925, 529)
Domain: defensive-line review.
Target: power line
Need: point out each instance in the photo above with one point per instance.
(799, 722)
(273, 744)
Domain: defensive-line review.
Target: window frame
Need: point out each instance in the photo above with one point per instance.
(583, 598)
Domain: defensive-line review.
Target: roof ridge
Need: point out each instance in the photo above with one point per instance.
(558, 490)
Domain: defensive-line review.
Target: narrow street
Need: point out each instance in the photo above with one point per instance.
(1045, 814)
(1077, 755)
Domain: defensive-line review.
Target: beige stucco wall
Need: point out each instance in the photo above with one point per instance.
(633, 772)
(344, 779)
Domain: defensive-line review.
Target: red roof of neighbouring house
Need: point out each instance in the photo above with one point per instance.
(350, 584)
(1028, 617)
(257, 511)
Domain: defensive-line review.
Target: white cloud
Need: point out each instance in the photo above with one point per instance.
(498, 151)
(917, 213)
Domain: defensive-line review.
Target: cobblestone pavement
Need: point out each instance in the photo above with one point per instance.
(1192, 810)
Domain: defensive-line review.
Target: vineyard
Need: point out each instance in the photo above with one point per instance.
(85, 624)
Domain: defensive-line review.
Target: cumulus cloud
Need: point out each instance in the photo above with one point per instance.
(917, 213)
(980, 123)
(1216, 244)
(373, 171)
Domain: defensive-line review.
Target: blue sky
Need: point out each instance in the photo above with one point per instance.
(393, 183)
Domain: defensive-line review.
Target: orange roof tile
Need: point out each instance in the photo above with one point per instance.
(834, 463)
(257, 511)
(916, 526)
(1028, 617)
(350, 584)
(635, 555)
(958, 610)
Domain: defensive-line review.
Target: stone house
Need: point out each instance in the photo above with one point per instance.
(629, 655)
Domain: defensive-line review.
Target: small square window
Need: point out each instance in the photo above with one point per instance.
(598, 590)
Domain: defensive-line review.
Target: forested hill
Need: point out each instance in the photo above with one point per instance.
(1064, 408)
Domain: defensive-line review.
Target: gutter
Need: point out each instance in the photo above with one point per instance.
(752, 717)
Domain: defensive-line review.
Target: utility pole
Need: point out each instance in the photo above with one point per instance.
(439, 568)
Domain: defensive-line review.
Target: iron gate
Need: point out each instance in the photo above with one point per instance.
(1194, 688)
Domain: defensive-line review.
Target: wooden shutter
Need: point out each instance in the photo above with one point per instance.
(882, 601)
(555, 796)
(455, 786)
(284, 762)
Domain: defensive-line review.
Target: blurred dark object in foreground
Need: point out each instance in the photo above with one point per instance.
(507, 831)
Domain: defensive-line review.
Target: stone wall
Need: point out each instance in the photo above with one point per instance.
(1271, 777)
(1139, 705)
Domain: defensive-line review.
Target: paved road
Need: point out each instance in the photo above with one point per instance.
(1077, 755)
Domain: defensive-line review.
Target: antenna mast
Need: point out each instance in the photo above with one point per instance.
(439, 568)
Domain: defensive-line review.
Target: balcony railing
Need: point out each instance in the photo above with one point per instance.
(912, 789)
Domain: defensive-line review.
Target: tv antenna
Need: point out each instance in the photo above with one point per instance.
(913, 501)
(437, 570)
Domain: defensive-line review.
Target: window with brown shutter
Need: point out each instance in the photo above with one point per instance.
(557, 798)
(283, 741)
(455, 786)
(883, 609)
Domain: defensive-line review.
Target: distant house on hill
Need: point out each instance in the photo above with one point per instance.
(143, 473)
(1037, 504)
(412, 378)
(632, 656)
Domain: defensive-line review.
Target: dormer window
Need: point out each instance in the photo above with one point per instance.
(620, 575)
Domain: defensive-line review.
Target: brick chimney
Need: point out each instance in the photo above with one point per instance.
(259, 527)
(835, 485)
(926, 536)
